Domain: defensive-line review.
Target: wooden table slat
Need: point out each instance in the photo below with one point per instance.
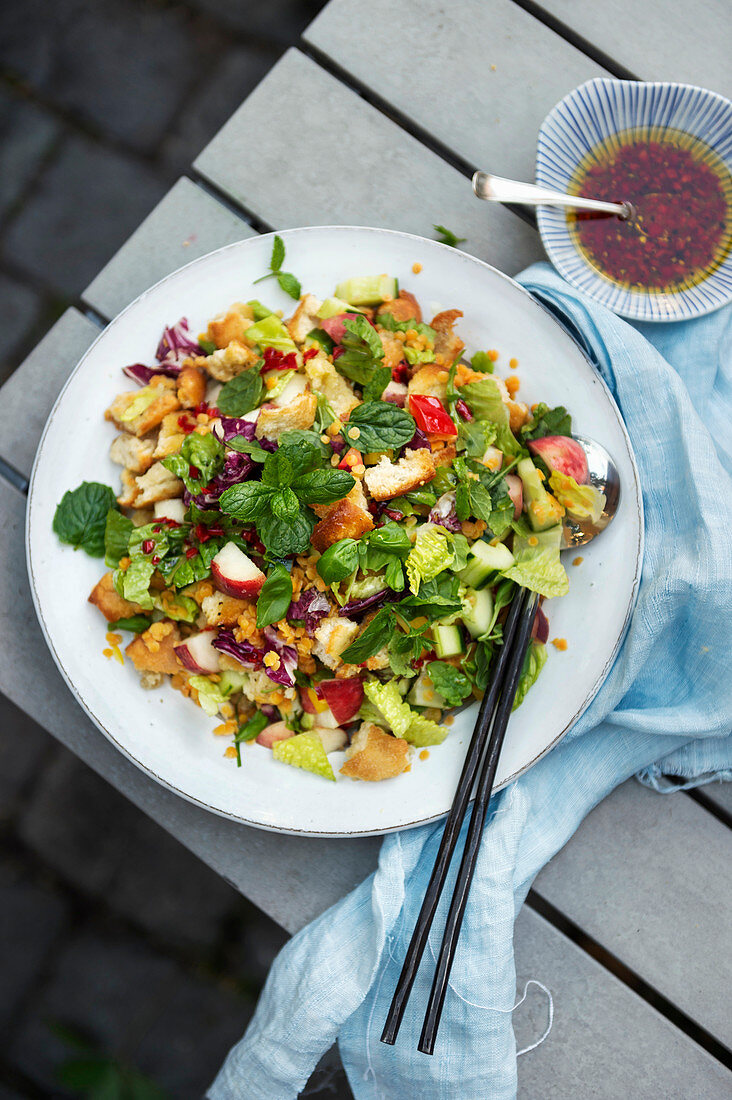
(646, 876)
(478, 77)
(606, 1042)
(184, 225)
(29, 394)
(658, 39)
(326, 157)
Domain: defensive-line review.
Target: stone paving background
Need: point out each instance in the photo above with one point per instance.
(108, 926)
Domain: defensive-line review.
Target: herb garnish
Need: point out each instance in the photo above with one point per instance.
(446, 236)
(287, 281)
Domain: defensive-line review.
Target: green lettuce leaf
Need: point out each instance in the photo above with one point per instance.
(581, 501)
(270, 332)
(142, 401)
(533, 663)
(201, 453)
(117, 533)
(304, 750)
(537, 565)
(399, 717)
(210, 695)
(484, 400)
(432, 552)
(423, 731)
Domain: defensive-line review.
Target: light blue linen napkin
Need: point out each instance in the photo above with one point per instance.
(665, 709)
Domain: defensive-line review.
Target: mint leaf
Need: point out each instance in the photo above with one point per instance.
(249, 447)
(117, 531)
(446, 236)
(381, 427)
(449, 682)
(324, 486)
(275, 596)
(285, 505)
(278, 254)
(81, 517)
(285, 539)
(546, 421)
(246, 502)
(135, 623)
(289, 284)
(242, 394)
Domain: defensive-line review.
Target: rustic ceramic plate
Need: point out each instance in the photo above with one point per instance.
(170, 739)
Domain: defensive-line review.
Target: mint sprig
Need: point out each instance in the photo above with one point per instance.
(286, 279)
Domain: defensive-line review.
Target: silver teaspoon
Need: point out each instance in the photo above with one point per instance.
(498, 189)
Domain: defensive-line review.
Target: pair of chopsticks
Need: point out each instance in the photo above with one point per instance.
(485, 748)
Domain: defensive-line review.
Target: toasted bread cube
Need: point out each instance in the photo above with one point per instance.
(445, 455)
(227, 362)
(375, 755)
(170, 438)
(165, 401)
(231, 325)
(305, 318)
(154, 650)
(325, 379)
(130, 491)
(344, 520)
(105, 596)
(447, 343)
(191, 386)
(393, 349)
(430, 380)
(136, 455)
(403, 308)
(332, 636)
(221, 610)
(393, 479)
(300, 413)
(157, 484)
(357, 497)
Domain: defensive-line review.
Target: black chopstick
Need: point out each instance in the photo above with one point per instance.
(475, 830)
(451, 831)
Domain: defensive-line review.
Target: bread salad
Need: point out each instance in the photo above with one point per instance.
(322, 523)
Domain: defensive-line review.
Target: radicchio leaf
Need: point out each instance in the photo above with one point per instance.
(358, 607)
(232, 426)
(310, 609)
(244, 652)
(141, 374)
(288, 658)
(177, 344)
(237, 467)
(418, 442)
(444, 514)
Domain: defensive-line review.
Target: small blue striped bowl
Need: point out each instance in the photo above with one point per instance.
(589, 116)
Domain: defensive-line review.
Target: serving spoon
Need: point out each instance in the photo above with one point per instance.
(603, 475)
(485, 748)
(499, 189)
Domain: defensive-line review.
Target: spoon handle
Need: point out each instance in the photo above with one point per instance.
(498, 189)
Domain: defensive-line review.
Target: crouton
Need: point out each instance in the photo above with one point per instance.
(231, 325)
(304, 319)
(356, 496)
(393, 479)
(403, 308)
(445, 455)
(375, 755)
(130, 491)
(163, 401)
(157, 484)
(227, 362)
(325, 379)
(105, 596)
(154, 650)
(300, 413)
(136, 455)
(191, 387)
(430, 380)
(170, 438)
(221, 610)
(518, 412)
(393, 349)
(447, 343)
(345, 519)
(332, 636)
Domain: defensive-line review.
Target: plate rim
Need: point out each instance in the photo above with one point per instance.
(240, 818)
(629, 312)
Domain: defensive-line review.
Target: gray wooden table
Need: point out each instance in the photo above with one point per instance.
(629, 925)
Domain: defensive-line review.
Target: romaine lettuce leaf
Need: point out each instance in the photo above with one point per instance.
(210, 695)
(484, 400)
(399, 716)
(581, 501)
(432, 552)
(533, 663)
(304, 750)
(270, 332)
(537, 565)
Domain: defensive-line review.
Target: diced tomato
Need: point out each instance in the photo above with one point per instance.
(350, 458)
(431, 416)
(185, 425)
(277, 360)
(309, 354)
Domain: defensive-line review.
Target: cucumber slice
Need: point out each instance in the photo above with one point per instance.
(483, 560)
(448, 641)
(477, 611)
(367, 290)
(331, 307)
(231, 682)
(423, 693)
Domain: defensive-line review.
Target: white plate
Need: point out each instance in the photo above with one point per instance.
(165, 734)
